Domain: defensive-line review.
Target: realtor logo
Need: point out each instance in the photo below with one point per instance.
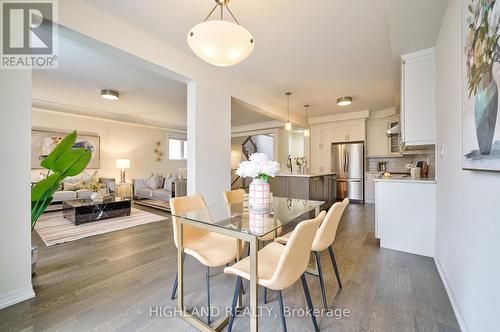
(28, 34)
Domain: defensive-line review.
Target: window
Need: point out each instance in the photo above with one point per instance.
(177, 149)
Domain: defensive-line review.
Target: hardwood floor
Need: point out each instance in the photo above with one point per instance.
(114, 281)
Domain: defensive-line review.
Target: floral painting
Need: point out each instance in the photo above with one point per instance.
(43, 142)
(481, 127)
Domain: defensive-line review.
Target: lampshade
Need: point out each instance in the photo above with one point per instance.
(307, 133)
(220, 43)
(288, 126)
(122, 163)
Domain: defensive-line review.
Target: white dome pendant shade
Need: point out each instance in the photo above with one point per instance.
(218, 42)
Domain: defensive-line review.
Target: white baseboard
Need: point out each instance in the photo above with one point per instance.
(454, 304)
(16, 296)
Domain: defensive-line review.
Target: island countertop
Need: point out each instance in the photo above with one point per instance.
(305, 175)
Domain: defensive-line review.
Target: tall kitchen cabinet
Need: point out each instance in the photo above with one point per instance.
(418, 98)
(324, 135)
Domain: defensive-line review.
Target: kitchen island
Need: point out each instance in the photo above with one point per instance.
(405, 214)
(310, 186)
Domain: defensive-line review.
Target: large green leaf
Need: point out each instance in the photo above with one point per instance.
(72, 162)
(42, 187)
(64, 146)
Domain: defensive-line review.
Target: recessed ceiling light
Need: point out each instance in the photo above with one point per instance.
(110, 94)
(344, 101)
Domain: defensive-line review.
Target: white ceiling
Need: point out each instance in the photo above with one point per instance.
(243, 114)
(145, 96)
(319, 52)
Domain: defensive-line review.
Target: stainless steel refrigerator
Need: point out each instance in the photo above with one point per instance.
(348, 163)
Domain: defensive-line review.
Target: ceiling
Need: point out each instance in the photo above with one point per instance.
(243, 114)
(331, 49)
(145, 96)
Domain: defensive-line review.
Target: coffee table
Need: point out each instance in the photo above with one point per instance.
(82, 211)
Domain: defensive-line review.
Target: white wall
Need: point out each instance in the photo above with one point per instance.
(118, 141)
(15, 236)
(468, 203)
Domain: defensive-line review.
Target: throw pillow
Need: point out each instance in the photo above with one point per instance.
(168, 182)
(72, 186)
(155, 181)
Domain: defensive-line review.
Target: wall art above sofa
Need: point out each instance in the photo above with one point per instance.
(44, 141)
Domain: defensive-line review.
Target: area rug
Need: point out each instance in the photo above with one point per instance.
(53, 228)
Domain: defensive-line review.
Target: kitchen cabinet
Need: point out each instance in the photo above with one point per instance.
(405, 215)
(321, 187)
(321, 161)
(418, 98)
(348, 132)
(378, 144)
(321, 137)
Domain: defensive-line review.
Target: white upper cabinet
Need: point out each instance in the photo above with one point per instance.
(349, 132)
(321, 137)
(377, 143)
(418, 98)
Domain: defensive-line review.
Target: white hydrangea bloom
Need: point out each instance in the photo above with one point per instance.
(258, 165)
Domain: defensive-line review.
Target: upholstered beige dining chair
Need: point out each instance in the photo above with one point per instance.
(323, 240)
(210, 249)
(280, 266)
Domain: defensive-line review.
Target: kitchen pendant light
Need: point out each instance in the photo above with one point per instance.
(307, 133)
(288, 124)
(218, 42)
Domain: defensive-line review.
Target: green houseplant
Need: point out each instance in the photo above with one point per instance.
(63, 161)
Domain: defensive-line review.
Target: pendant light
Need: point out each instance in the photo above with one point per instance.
(288, 124)
(307, 133)
(218, 42)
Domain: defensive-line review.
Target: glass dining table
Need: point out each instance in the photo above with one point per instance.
(236, 221)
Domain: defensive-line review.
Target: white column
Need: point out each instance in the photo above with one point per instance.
(15, 235)
(209, 140)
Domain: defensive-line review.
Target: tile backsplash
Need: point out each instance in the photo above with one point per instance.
(397, 164)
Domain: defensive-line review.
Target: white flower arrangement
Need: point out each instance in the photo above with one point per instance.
(259, 166)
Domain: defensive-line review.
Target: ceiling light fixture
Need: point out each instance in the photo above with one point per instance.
(110, 94)
(307, 133)
(288, 124)
(344, 101)
(218, 42)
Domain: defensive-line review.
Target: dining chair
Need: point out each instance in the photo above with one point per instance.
(210, 249)
(279, 267)
(324, 238)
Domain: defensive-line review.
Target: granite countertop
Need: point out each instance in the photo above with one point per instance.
(405, 179)
(306, 175)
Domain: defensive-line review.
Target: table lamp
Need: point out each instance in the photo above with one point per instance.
(122, 164)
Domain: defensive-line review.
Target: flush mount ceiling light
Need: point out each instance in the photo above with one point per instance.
(110, 94)
(344, 101)
(288, 124)
(307, 133)
(218, 42)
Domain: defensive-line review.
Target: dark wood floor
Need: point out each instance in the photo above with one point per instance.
(110, 282)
